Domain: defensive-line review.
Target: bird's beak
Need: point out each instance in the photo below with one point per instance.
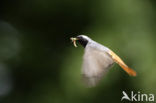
(74, 41)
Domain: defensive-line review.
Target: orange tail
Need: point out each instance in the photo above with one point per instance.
(130, 71)
(118, 60)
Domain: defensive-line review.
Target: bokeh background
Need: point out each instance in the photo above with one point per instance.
(39, 64)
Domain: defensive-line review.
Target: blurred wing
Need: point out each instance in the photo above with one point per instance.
(95, 65)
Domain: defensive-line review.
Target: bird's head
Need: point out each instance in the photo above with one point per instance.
(82, 39)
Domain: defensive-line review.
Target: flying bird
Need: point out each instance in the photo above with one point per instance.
(97, 60)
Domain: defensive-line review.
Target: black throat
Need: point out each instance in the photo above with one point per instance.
(83, 42)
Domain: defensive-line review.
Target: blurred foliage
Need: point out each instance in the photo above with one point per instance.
(38, 63)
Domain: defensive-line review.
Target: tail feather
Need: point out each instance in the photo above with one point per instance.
(119, 61)
(130, 71)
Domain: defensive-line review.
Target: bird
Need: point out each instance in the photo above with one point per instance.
(97, 60)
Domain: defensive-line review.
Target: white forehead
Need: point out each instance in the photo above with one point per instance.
(85, 37)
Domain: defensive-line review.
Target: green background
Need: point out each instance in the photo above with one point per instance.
(39, 64)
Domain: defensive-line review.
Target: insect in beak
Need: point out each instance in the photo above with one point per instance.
(74, 41)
